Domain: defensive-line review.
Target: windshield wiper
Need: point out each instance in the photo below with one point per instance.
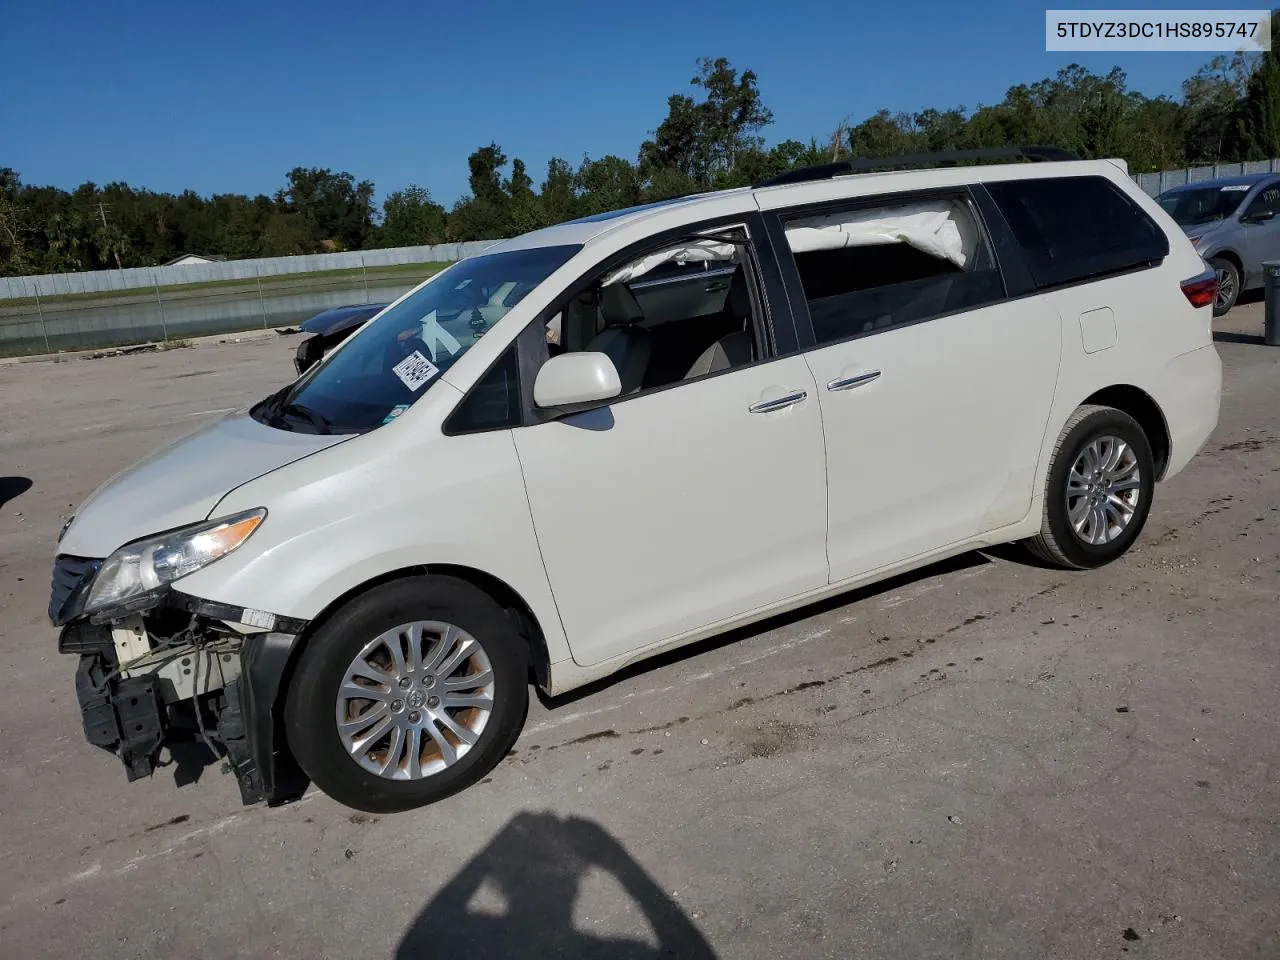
(268, 410)
(278, 411)
(298, 412)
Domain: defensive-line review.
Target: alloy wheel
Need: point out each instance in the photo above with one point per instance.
(415, 700)
(1226, 288)
(1103, 490)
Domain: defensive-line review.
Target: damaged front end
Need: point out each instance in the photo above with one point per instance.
(164, 668)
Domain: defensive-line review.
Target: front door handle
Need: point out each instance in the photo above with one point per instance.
(781, 403)
(848, 383)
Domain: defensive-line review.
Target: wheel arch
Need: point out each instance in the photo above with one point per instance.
(269, 723)
(1140, 405)
(499, 590)
(1228, 254)
(1236, 261)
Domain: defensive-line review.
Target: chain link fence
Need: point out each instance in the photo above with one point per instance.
(49, 314)
(166, 313)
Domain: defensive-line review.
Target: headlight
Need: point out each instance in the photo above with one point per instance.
(141, 567)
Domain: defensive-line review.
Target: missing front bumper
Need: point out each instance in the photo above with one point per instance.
(137, 717)
(124, 716)
(145, 679)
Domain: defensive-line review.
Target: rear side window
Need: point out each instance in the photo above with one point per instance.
(878, 266)
(1074, 229)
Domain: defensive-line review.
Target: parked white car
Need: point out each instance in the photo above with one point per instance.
(689, 416)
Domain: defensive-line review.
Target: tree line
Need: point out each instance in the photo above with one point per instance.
(711, 138)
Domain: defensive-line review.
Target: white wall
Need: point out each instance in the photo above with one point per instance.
(98, 281)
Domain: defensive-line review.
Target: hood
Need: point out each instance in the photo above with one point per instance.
(181, 483)
(1193, 230)
(341, 318)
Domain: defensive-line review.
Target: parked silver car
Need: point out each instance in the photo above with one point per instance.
(1232, 222)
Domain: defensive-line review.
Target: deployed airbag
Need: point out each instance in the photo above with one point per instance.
(698, 251)
(934, 228)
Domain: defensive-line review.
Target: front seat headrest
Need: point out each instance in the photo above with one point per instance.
(629, 348)
(732, 350)
(618, 306)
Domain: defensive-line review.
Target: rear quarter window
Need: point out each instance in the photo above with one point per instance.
(1074, 229)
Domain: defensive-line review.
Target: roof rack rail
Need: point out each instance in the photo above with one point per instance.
(825, 171)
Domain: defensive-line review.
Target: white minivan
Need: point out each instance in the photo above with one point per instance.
(650, 426)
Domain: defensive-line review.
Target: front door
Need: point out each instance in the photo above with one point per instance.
(1260, 222)
(696, 498)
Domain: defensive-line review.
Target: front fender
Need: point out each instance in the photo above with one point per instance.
(1217, 249)
(460, 501)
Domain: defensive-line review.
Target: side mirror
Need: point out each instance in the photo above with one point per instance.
(309, 353)
(573, 381)
(1260, 217)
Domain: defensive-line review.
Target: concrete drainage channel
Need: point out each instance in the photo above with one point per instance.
(40, 325)
(161, 346)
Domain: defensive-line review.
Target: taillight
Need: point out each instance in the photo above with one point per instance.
(1201, 290)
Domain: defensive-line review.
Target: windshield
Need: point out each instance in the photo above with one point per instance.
(392, 361)
(1203, 204)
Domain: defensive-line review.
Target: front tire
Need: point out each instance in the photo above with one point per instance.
(409, 693)
(1228, 285)
(1098, 493)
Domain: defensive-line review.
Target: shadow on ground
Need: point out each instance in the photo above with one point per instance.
(190, 760)
(535, 867)
(13, 487)
(1226, 336)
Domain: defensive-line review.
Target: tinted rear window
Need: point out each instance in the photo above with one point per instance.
(1078, 228)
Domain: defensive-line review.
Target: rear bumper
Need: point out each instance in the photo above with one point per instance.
(1190, 395)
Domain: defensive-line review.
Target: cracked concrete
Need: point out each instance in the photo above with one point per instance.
(986, 759)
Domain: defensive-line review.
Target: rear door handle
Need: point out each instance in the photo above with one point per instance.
(848, 383)
(781, 403)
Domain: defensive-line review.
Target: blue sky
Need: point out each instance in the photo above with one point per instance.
(226, 97)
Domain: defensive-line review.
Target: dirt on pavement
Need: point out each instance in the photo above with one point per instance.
(985, 759)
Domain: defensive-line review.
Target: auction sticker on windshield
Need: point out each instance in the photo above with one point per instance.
(398, 409)
(415, 371)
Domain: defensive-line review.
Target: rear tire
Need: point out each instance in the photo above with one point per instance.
(1228, 285)
(1098, 492)
(443, 762)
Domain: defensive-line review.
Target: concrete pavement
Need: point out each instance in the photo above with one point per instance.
(987, 759)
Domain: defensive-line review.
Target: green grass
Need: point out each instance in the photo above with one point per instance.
(271, 283)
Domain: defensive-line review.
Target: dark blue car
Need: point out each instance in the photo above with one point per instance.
(330, 328)
(466, 311)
